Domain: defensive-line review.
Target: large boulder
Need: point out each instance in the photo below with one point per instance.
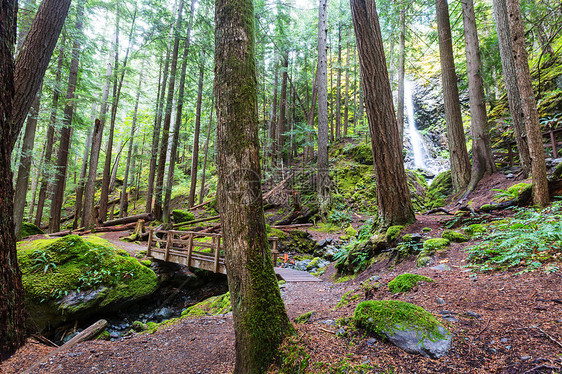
(406, 325)
(72, 277)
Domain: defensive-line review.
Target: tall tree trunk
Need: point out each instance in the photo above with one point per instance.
(46, 174)
(401, 71)
(460, 164)
(156, 131)
(66, 132)
(97, 136)
(347, 68)
(323, 176)
(195, 153)
(117, 85)
(393, 197)
(78, 205)
(338, 87)
(124, 203)
(272, 131)
(35, 185)
(177, 123)
(115, 166)
(482, 159)
(22, 182)
(260, 320)
(309, 149)
(206, 151)
(163, 151)
(529, 105)
(513, 96)
(19, 84)
(282, 110)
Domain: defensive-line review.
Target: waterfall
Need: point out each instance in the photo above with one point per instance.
(421, 155)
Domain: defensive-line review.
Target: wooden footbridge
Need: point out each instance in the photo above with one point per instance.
(204, 251)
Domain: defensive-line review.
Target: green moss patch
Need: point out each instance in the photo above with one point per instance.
(384, 317)
(405, 282)
(392, 232)
(475, 229)
(210, 307)
(179, 216)
(29, 229)
(435, 244)
(455, 236)
(439, 190)
(305, 317)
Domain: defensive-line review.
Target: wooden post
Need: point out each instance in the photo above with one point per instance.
(217, 253)
(149, 246)
(189, 249)
(168, 245)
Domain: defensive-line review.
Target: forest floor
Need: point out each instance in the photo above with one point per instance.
(501, 322)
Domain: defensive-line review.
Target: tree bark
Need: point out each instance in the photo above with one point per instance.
(260, 320)
(177, 123)
(124, 204)
(338, 87)
(323, 176)
(66, 132)
(163, 151)
(206, 152)
(97, 135)
(19, 84)
(393, 197)
(347, 68)
(195, 153)
(482, 158)
(460, 164)
(25, 165)
(513, 96)
(401, 71)
(272, 130)
(529, 105)
(282, 111)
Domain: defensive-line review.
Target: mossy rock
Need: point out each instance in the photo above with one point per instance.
(439, 190)
(406, 325)
(305, 317)
(455, 236)
(435, 244)
(475, 229)
(28, 229)
(70, 276)
(423, 260)
(361, 153)
(350, 232)
(313, 264)
(405, 282)
(361, 254)
(210, 307)
(393, 232)
(180, 216)
(487, 207)
(297, 241)
(418, 189)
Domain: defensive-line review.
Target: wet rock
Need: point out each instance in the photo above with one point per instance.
(440, 301)
(409, 341)
(440, 267)
(327, 322)
(165, 313)
(371, 342)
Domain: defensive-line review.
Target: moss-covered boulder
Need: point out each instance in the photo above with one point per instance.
(75, 276)
(179, 215)
(475, 229)
(438, 191)
(360, 153)
(418, 189)
(405, 282)
(28, 229)
(210, 307)
(435, 244)
(393, 232)
(297, 241)
(406, 325)
(455, 236)
(360, 254)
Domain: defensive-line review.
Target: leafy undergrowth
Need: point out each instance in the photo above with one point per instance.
(531, 239)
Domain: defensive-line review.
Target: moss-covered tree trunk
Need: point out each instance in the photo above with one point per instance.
(393, 198)
(260, 320)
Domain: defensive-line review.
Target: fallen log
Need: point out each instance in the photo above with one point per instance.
(278, 187)
(131, 219)
(196, 221)
(87, 334)
(201, 205)
(291, 227)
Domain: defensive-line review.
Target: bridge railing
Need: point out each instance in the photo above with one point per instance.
(190, 248)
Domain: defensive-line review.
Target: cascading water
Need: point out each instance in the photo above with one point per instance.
(419, 148)
(421, 158)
